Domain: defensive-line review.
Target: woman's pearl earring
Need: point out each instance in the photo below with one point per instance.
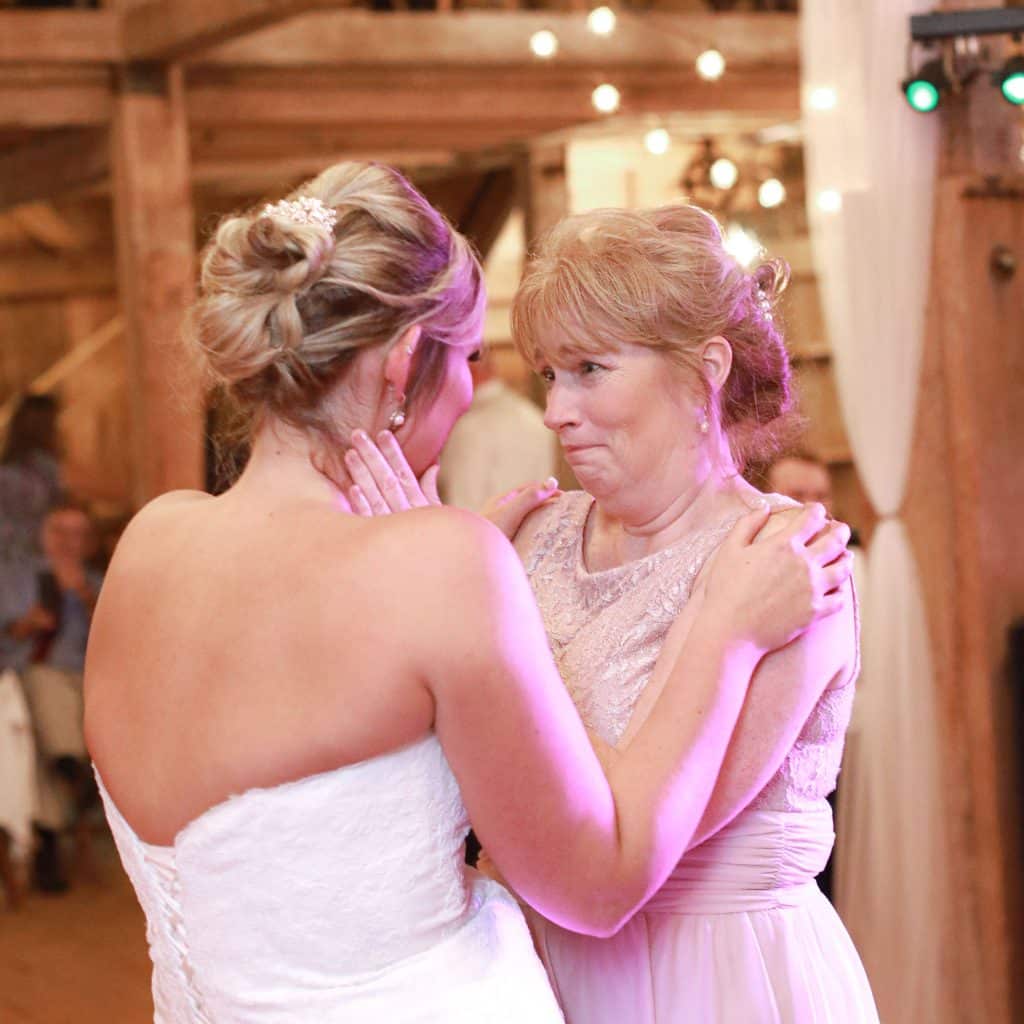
(704, 426)
(396, 419)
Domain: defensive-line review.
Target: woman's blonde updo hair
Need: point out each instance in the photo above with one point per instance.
(284, 306)
(662, 278)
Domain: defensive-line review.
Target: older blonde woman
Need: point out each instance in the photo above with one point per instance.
(665, 369)
(292, 708)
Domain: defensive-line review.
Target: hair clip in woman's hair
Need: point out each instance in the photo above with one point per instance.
(304, 210)
(764, 304)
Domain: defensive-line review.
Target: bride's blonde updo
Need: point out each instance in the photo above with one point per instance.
(285, 305)
(663, 278)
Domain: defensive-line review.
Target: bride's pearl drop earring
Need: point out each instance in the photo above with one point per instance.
(704, 426)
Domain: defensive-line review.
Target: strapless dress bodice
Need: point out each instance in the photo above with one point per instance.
(340, 896)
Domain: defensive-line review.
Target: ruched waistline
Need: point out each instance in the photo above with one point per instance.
(764, 860)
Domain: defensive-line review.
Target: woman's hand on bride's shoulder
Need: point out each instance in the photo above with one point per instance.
(774, 577)
(509, 511)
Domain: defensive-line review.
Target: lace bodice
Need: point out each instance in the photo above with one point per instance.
(331, 899)
(607, 628)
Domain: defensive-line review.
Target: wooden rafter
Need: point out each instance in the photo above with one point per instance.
(501, 38)
(531, 100)
(173, 30)
(60, 37)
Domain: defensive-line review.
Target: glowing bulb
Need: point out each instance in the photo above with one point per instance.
(742, 245)
(657, 141)
(771, 193)
(710, 65)
(824, 97)
(544, 44)
(606, 98)
(829, 200)
(723, 173)
(601, 21)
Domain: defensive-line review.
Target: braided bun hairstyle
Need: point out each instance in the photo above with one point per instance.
(285, 305)
(663, 278)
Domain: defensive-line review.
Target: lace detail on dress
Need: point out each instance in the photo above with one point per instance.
(607, 629)
(316, 888)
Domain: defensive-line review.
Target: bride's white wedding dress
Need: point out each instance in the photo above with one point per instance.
(337, 897)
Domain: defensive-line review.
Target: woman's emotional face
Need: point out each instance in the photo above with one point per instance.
(624, 417)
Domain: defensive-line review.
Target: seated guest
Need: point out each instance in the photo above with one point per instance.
(46, 607)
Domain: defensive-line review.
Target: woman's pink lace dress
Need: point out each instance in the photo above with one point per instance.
(739, 933)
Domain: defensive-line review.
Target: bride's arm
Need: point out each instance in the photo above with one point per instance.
(787, 685)
(585, 848)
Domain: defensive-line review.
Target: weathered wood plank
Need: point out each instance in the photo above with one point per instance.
(169, 30)
(43, 37)
(55, 163)
(156, 266)
(494, 38)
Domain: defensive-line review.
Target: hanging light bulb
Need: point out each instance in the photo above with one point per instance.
(742, 245)
(601, 21)
(771, 193)
(823, 97)
(829, 200)
(657, 141)
(544, 44)
(710, 65)
(723, 173)
(606, 98)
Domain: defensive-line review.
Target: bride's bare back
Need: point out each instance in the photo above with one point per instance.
(238, 646)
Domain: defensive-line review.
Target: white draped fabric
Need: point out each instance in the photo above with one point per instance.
(17, 765)
(871, 171)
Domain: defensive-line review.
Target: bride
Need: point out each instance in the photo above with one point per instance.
(292, 710)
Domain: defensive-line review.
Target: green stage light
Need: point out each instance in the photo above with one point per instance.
(924, 90)
(1010, 80)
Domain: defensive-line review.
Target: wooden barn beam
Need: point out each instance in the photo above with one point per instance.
(529, 101)
(60, 37)
(171, 30)
(53, 164)
(489, 208)
(155, 234)
(53, 96)
(43, 276)
(493, 38)
(47, 228)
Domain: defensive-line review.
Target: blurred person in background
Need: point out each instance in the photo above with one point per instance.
(46, 609)
(499, 444)
(30, 481)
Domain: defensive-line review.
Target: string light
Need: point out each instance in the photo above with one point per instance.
(657, 141)
(771, 193)
(544, 44)
(742, 245)
(823, 97)
(710, 65)
(723, 173)
(606, 98)
(601, 21)
(829, 200)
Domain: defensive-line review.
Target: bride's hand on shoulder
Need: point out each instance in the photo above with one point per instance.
(774, 576)
(383, 482)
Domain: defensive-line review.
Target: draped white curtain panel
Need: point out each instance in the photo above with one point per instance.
(871, 173)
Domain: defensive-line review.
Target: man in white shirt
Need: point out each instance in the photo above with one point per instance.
(499, 444)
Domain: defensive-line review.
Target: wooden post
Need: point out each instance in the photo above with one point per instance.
(156, 268)
(965, 490)
(544, 195)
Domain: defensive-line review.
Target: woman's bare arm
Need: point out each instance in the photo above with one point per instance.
(587, 850)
